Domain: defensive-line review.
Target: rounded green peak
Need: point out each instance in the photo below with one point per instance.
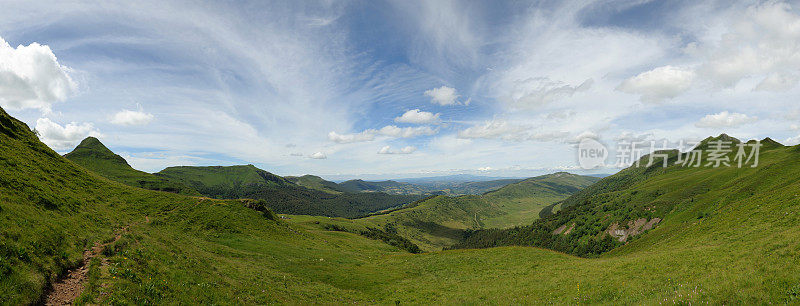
(93, 144)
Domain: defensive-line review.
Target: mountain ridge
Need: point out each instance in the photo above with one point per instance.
(95, 156)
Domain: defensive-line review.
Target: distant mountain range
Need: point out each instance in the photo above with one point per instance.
(310, 195)
(452, 185)
(455, 178)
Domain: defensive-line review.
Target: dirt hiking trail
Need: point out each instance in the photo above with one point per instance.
(68, 288)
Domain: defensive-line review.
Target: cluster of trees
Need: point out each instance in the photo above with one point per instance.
(297, 200)
(581, 241)
(262, 206)
(389, 237)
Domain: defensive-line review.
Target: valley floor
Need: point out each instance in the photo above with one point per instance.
(300, 261)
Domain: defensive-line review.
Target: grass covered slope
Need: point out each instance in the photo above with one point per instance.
(440, 221)
(225, 181)
(316, 183)
(201, 251)
(622, 206)
(522, 201)
(281, 195)
(93, 155)
(51, 210)
(175, 248)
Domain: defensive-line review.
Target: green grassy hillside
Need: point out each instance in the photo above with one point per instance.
(93, 155)
(744, 249)
(315, 182)
(440, 221)
(225, 182)
(620, 207)
(174, 248)
(390, 187)
(282, 196)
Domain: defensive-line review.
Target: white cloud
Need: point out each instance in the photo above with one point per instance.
(407, 132)
(61, 138)
(792, 141)
(535, 92)
(418, 117)
(129, 117)
(502, 129)
(493, 129)
(388, 131)
(758, 44)
(367, 135)
(659, 84)
(404, 150)
(318, 155)
(31, 77)
(582, 136)
(724, 119)
(778, 82)
(761, 41)
(443, 96)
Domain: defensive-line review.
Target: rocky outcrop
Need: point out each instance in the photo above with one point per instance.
(563, 229)
(634, 228)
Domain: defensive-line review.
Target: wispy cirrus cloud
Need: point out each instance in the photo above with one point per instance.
(461, 82)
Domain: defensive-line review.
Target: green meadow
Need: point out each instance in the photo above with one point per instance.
(728, 236)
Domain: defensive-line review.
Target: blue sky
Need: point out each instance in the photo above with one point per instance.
(382, 89)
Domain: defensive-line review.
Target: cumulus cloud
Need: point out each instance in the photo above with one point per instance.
(534, 92)
(318, 155)
(388, 131)
(724, 119)
(129, 117)
(404, 150)
(792, 140)
(762, 41)
(418, 117)
(31, 77)
(368, 135)
(444, 96)
(61, 138)
(407, 132)
(659, 84)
